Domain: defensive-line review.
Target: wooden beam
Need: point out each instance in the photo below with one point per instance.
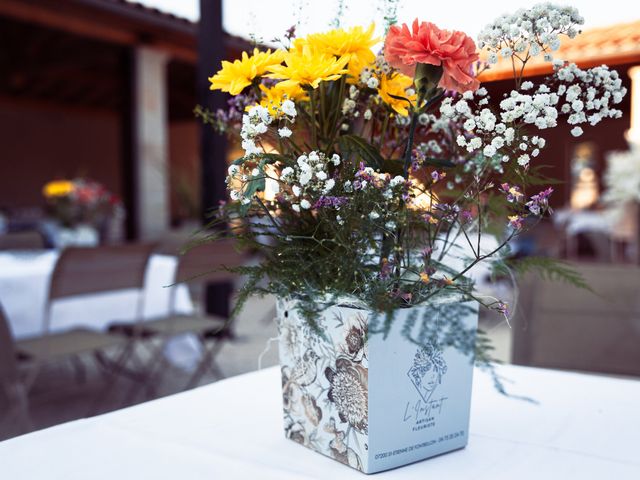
(33, 13)
(211, 52)
(69, 20)
(128, 145)
(213, 153)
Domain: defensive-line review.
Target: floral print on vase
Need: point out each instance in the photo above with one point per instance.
(325, 382)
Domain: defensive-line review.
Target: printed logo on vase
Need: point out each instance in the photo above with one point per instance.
(427, 371)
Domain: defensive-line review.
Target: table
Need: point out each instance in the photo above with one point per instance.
(24, 283)
(582, 427)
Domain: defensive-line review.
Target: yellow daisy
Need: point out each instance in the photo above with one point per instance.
(273, 97)
(355, 43)
(234, 77)
(396, 85)
(58, 188)
(306, 66)
(299, 44)
(355, 69)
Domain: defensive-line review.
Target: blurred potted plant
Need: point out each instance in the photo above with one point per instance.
(80, 210)
(390, 170)
(622, 195)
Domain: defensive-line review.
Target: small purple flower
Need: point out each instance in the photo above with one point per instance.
(449, 212)
(513, 192)
(386, 268)
(467, 216)
(437, 176)
(516, 221)
(430, 219)
(539, 203)
(329, 201)
(503, 308)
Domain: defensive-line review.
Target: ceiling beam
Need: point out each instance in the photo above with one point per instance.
(61, 16)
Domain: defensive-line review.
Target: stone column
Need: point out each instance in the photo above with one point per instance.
(151, 191)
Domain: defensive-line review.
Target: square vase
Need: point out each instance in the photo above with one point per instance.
(377, 401)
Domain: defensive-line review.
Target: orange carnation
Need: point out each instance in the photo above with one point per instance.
(426, 43)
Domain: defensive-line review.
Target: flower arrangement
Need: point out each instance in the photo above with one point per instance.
(79, 201)
(376, 177)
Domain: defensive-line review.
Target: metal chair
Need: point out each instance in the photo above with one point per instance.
(29, 240)
(81, 271)
(201, 264)
(11, 381)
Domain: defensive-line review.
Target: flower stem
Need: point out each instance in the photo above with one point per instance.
(312, 98)
(408, 150)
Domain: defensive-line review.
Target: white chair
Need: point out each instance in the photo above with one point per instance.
(199, 265)
(84, 271)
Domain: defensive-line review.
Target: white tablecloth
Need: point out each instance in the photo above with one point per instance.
(24, 283)
(584, 427)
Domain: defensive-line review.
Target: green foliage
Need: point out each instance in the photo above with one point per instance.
(550, 269)
(354, 145)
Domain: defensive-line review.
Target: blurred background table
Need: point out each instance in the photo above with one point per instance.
(24, 282)
(582, 426)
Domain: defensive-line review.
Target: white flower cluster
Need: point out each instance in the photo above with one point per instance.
(309, 179)
(257, 121)
(588, 95)
(498, 139)
(583, 96)
(236, 180)
(370, 75)
(538, 108)
(529, 31)
(254, 123)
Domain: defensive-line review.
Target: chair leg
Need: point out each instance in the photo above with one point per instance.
(19, 403)
(206, 364)
(112, 369)
(154, 372)
(79, 369)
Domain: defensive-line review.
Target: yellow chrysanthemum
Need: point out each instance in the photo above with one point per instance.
(58, 188)
(234, 77)
(273, 97)
(396, 85)
(355, 43)
(299, 44)
(306, 66)
(355, 70)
